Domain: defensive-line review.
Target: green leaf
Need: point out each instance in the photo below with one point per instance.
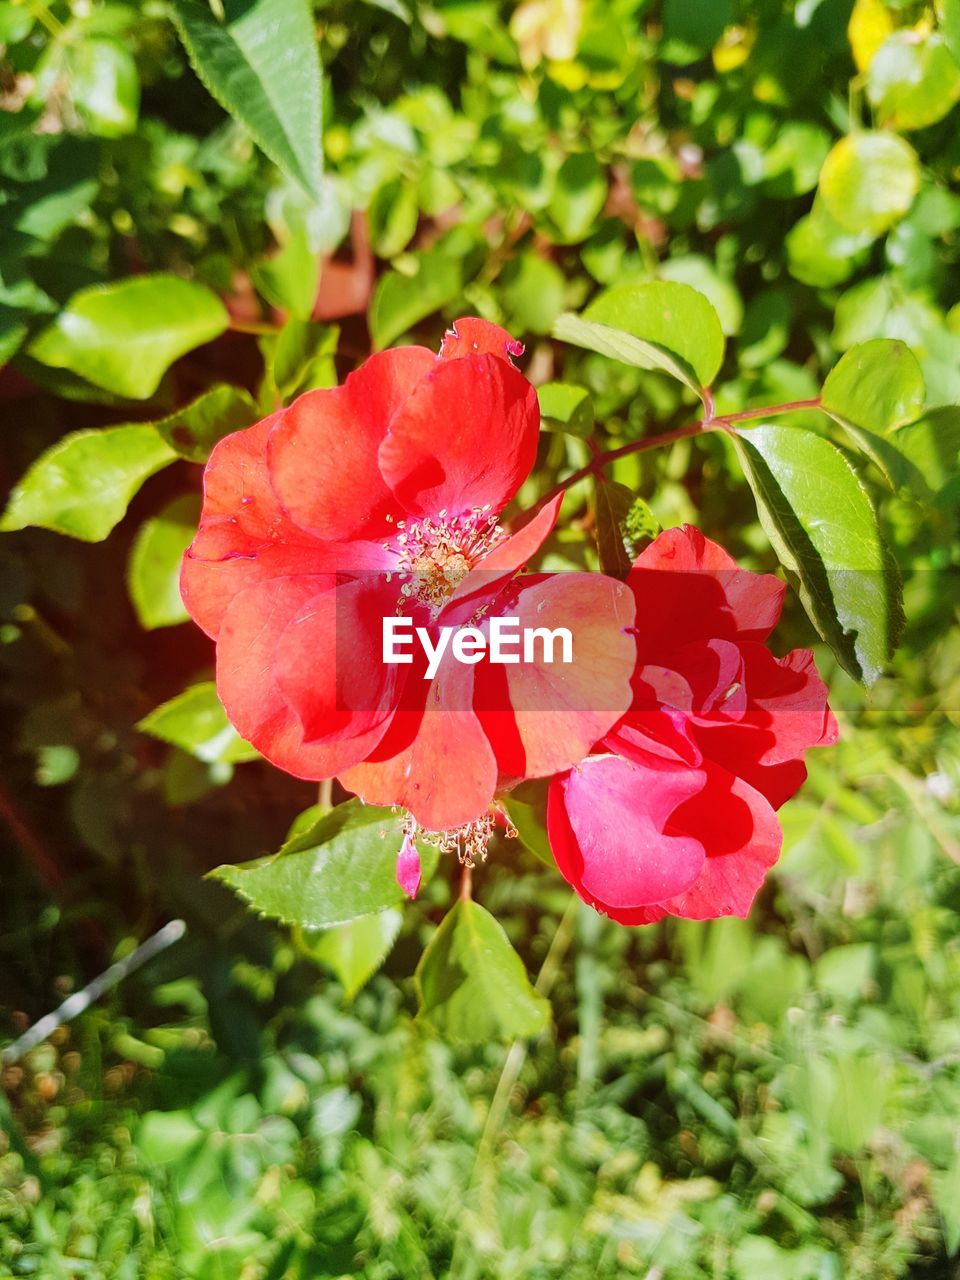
(123, 336)
(930, 451)
(662, 325)
(869, 180)
(355, 951)
(83, 484)
(303, 358)
(105, 87)
(526, 807)
(874, 388)
(472, 984)
(946, 1196)
(821, 252)
(612, 502)
(877, 385)
(262, 64)
(290, 276)
(401, 299)
(699, 273)
(565, 408)
(153, 574)
(818, 517)
(393, 215)
(193, 430)
(341, 868)
(640, 526)
(578, 197)
(692, 27)
(532, 291)
(843, 972)
(913, 83)
(860, 1085)
(196, 722)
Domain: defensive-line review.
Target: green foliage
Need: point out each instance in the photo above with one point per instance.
(153, 573)
(817, 514)
(869, 181)
(195, 722)
(83, 484)
(260, 61)
(471, 982)
(354, 951)
(124, 336)
(664, 326)
(749, 204)
(342, 867)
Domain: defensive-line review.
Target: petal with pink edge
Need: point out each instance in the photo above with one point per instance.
(742, 837)
(543, 716)
(470, 336)
(608, 824)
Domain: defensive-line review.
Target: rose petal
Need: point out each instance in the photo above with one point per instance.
(542, 717)
(464, 440)
(249, 690)
(688, 588)
(470, 336)
(328, 660)
(739, 830)
(435, 760)
(241, 523)
(607, 824)
(322, 452)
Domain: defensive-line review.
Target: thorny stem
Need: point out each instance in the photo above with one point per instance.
(513, 1064)
(702, 425)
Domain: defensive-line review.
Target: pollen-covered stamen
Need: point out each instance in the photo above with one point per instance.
(468, 842)
(436, 553)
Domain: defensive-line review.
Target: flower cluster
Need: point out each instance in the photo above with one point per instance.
(670, 735)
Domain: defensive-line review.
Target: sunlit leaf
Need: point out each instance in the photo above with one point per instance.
(401, 299)
(261, 62)
(662, 325)
(355, 951)
(819, 519)
(153, 574)
(124, 336)
(193, 430)
(83, 484)
(341, 868)
(869, 180)
(472, 983)
(196, 722)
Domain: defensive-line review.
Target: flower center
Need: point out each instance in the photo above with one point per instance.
(435, 554)
(468, 842)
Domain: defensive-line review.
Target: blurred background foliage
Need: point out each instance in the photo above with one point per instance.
(774, 1098)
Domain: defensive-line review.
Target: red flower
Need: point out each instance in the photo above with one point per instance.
(673, 813)
(377, 498)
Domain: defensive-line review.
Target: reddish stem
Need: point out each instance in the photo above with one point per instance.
(600, 460)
